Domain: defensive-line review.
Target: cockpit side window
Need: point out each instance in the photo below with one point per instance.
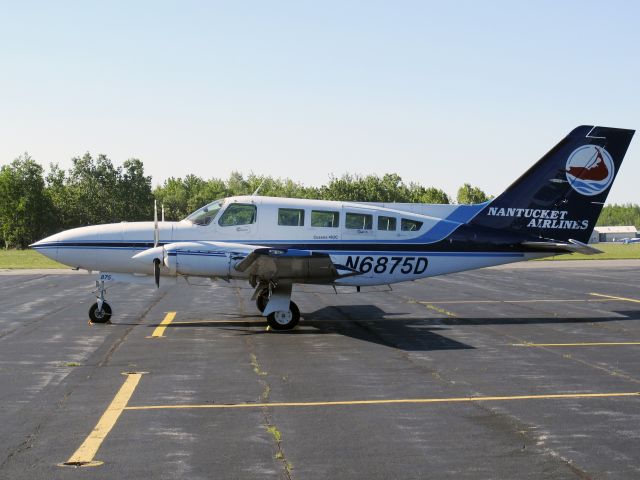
(238, 214)
(206, 214)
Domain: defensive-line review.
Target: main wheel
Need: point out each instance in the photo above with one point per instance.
(100, 316)
(284, 320)
(262, 300)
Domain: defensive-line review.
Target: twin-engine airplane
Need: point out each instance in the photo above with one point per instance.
(276, 242)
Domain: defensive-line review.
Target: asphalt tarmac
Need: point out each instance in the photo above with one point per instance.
(515, 372)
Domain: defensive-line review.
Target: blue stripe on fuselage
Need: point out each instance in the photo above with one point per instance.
(331, 251)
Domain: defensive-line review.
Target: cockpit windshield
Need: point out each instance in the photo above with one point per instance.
(206, 214)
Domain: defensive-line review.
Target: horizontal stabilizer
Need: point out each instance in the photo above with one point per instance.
(573, 246)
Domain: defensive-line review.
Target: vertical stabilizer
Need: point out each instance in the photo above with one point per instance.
(562, 195)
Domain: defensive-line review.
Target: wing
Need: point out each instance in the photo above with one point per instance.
(297, 265)
(218, 259)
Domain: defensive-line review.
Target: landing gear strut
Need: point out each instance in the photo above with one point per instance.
(100, 312)
(274, 301)
(262, 299)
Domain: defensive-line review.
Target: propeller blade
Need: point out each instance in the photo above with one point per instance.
(156, 232)
(156, 271)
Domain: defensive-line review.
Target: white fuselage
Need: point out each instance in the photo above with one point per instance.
(383, 243)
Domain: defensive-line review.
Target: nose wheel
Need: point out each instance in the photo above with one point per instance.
(100, 312)
(100, 315)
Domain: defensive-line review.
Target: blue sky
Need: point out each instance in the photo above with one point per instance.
(441, 93)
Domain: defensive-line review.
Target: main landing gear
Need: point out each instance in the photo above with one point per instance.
(100, 312)
(274, 301)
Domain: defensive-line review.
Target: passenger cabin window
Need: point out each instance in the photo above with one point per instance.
(386, 223)
(325, 218)
(238, 214)
(407, 225)
(360, 221)
(291, 217)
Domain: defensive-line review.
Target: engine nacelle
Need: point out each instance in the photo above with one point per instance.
(209, 259)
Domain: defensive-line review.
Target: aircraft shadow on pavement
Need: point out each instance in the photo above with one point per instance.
(371, 324)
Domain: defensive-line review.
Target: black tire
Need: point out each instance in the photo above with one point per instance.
(283, 321)
(100, 316)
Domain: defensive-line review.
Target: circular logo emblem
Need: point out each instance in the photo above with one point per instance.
(590, 170)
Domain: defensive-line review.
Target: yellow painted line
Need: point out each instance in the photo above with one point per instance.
(585, 344)
(205, 322)
(452, 302)
(85, 454)
(159, 331)
(624, 299)
(386, 402)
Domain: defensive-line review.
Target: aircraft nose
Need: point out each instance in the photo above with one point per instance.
(47, 247)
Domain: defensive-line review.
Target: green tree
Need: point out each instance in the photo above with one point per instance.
(26, 211)
(134, 194)
(469, 195)
(614, 215)
(420, 194)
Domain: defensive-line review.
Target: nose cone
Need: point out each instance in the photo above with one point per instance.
(48, 246)
(76, 247)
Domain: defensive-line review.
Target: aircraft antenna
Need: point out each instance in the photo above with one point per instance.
(259, 187)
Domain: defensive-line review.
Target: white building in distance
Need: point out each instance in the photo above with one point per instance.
(613, 234)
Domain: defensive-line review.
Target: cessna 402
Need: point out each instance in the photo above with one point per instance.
(276, 242)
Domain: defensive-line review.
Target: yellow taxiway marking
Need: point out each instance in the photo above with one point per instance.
(205, 322)
(603, 298)
(556, 300)
(84, 455)
(387, 402)
(584, 344)
(159, 331)
(611, 297)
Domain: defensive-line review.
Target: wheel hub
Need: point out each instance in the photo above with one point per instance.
(283, 318)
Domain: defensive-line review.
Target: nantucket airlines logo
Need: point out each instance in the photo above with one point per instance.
(590, 170)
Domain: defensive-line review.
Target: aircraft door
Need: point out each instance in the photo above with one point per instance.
(239, 222)
(358, 225)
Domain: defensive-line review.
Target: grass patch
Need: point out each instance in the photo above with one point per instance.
(26, 259)
(275, 433)
(612, 251)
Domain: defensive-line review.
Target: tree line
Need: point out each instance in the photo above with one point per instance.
(35, 203)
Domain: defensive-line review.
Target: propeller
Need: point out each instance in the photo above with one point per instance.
(156, 241)
(156, 271)
(156, 232)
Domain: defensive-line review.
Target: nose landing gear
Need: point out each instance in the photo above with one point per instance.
(100, 312)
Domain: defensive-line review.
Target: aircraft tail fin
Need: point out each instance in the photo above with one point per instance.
(562, 195)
